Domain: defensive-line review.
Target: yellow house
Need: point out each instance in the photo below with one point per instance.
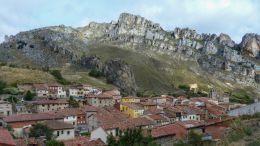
(130, 99)
(132, 109)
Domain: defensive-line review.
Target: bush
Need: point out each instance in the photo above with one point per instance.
(39, 130)
(2, 86)
(95, 73)
(244, 99)
(54, 143)
(184, 87)
(29, 96)
(58, 77)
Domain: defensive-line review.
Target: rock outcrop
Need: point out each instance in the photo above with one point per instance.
(250, 44)
(120, 74)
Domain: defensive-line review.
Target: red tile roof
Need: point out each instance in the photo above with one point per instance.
(83, 141)
(133, 106)
(169, 130)
(31, 117)
(68, 112)
(58, 125)
(5, 138)
(40, 86)
(100, 96)
(191, 123)
(50, 101)
(157, 117)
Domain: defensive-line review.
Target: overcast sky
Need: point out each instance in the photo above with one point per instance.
(233, 17)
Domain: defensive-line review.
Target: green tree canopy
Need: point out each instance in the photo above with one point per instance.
(73, 103)
(54, 143)
(40, 129)
(131, 137)
(29, 95)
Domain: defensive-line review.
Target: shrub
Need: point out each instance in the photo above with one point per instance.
(184, 87)
(95, 73)
(54, 143)
(2, 86)
(58, 77)
(29, 96)
(39, 130)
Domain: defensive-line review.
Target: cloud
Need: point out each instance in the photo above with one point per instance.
(233, 17)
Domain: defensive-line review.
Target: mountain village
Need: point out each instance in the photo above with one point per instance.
(98, 114)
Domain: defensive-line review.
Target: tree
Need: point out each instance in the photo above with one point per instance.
(194, 139)
(131, 137)
(40, 129)
(54, 143)
(29, 95)
(2, 86)
(58, 77)
(73, 103)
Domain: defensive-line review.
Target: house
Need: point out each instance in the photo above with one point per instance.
(159, 100)
(99, 100)
(41, 90)
(115, 93)
(45, 105)
(5, 138)
(99, 133)
(19, 122)
(61, 130)
(132, 109)
(83, 141)
(149, 105)
(158, 119)
(6, 108)
(166, 135)
(82, 90)
(193, 87)
(56, 90)
(131, 99)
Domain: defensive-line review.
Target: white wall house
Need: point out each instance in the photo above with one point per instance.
(61, 130)
(99, 133)
(61, 93)
(73, 92)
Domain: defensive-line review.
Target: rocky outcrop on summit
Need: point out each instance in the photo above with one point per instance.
(251, 45)
(225, 40)
(120, 74)
(50, 46)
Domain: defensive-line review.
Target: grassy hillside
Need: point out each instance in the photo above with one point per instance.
(162, 73)
(12, 75)
(15, 75)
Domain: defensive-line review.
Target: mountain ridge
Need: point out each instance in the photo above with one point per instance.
(219, 56)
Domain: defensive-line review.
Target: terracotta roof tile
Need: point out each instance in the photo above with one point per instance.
(31, 117)
(50, 101)
(83, 141)
(6, 138)
(58, 125)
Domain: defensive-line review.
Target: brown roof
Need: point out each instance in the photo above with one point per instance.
(58, 125)
(68, 112)
(5, 138)
(133, 106)
(88, 108)
(50, 101)
(31, 117)
(191, 123)
(101, 96)
(83, 141)
(157, 117)
(40, 86)
(169, 130)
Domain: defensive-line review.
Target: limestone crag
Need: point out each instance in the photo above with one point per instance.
(251, 45)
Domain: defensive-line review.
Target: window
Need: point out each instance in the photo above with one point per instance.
(68, 132)
(62, 132)
(73, 123)
(58, 133)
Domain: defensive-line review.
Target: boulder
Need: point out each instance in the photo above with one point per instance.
(250, 44)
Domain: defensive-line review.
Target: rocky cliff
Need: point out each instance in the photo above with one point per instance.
(217, 55)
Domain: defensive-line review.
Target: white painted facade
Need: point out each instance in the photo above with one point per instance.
(71, 120)
(6, 108)
(190, 117)
(99, 133)
(61, 93)
(64, 134)
(73, 92)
